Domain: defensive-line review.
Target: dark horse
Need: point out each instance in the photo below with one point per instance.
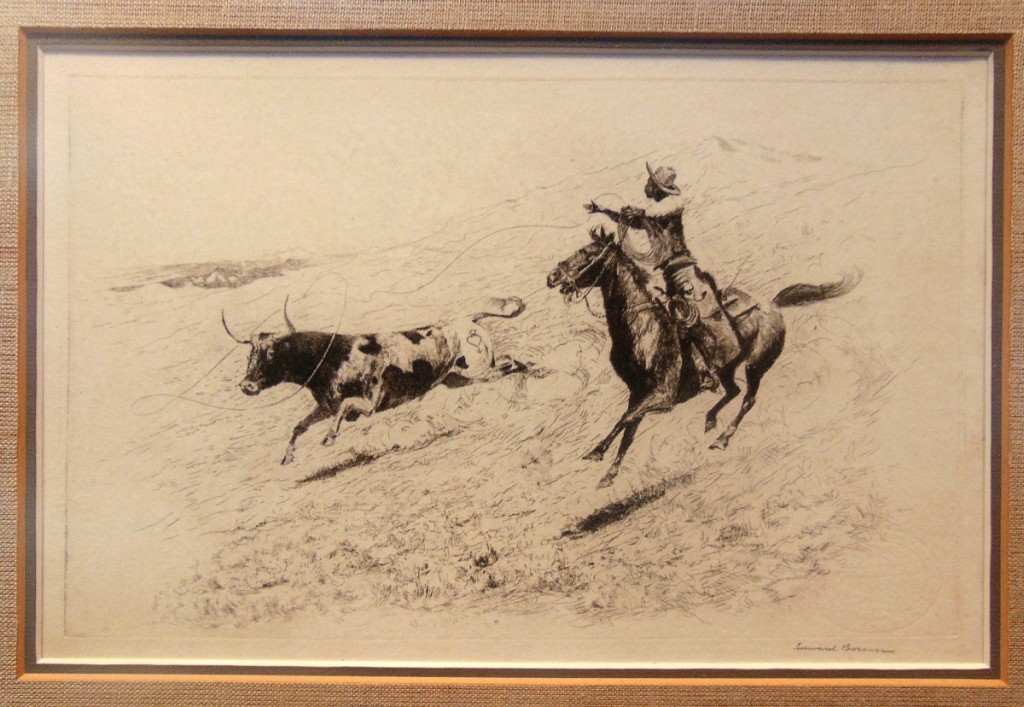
(648, 351)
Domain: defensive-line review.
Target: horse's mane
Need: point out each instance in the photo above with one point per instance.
(639, 276)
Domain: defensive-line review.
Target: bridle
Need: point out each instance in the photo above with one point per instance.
(574, 295)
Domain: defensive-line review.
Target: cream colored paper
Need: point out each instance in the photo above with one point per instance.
(414, 187)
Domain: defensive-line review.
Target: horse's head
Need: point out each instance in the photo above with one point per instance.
(583, 268)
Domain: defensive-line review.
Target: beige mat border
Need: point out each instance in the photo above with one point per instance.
(705, 17)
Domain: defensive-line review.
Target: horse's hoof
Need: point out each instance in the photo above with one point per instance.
(710, 425)
(594, 456)
(289, 457)
(328, 440)
(720, 443)
(605, 482)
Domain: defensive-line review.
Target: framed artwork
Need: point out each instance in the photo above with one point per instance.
(635, 363)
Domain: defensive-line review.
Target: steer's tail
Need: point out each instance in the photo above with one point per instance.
(795, 295)
(507, 307)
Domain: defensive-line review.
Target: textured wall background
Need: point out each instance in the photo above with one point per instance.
(704, 16)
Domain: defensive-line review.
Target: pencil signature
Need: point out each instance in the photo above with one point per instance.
(840, 648)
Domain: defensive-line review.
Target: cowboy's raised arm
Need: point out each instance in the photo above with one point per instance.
(593, 208)
(631, 216)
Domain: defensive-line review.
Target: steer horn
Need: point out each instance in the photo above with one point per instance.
(225, 322)
(287, 321)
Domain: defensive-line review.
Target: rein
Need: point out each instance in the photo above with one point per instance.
(583, 296)
(572, 280)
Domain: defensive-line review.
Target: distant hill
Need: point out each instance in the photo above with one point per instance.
(215, 275)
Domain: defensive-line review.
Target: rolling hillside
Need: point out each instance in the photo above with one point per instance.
(475, 501)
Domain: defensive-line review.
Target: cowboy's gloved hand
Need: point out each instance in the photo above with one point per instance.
(631, 215)
(592, 207)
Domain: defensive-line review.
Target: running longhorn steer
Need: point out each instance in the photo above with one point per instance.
(354, 375)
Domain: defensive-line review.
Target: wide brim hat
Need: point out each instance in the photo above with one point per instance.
(664, 178)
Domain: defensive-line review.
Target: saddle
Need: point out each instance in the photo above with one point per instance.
(713, 334)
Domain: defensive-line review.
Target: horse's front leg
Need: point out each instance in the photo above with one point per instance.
(628, 434)
(597, 453)
(658, 401)
(320, 413)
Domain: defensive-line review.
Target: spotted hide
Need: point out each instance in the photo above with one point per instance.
(351, 376)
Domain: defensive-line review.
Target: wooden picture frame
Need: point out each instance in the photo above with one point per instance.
(27, 681)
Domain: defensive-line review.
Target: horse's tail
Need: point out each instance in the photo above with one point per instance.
(799, 294)
(508, 307)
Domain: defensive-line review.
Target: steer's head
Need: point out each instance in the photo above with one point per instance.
(267, 364)
(265, 368)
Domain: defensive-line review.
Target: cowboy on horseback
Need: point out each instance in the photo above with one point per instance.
(653, 236)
